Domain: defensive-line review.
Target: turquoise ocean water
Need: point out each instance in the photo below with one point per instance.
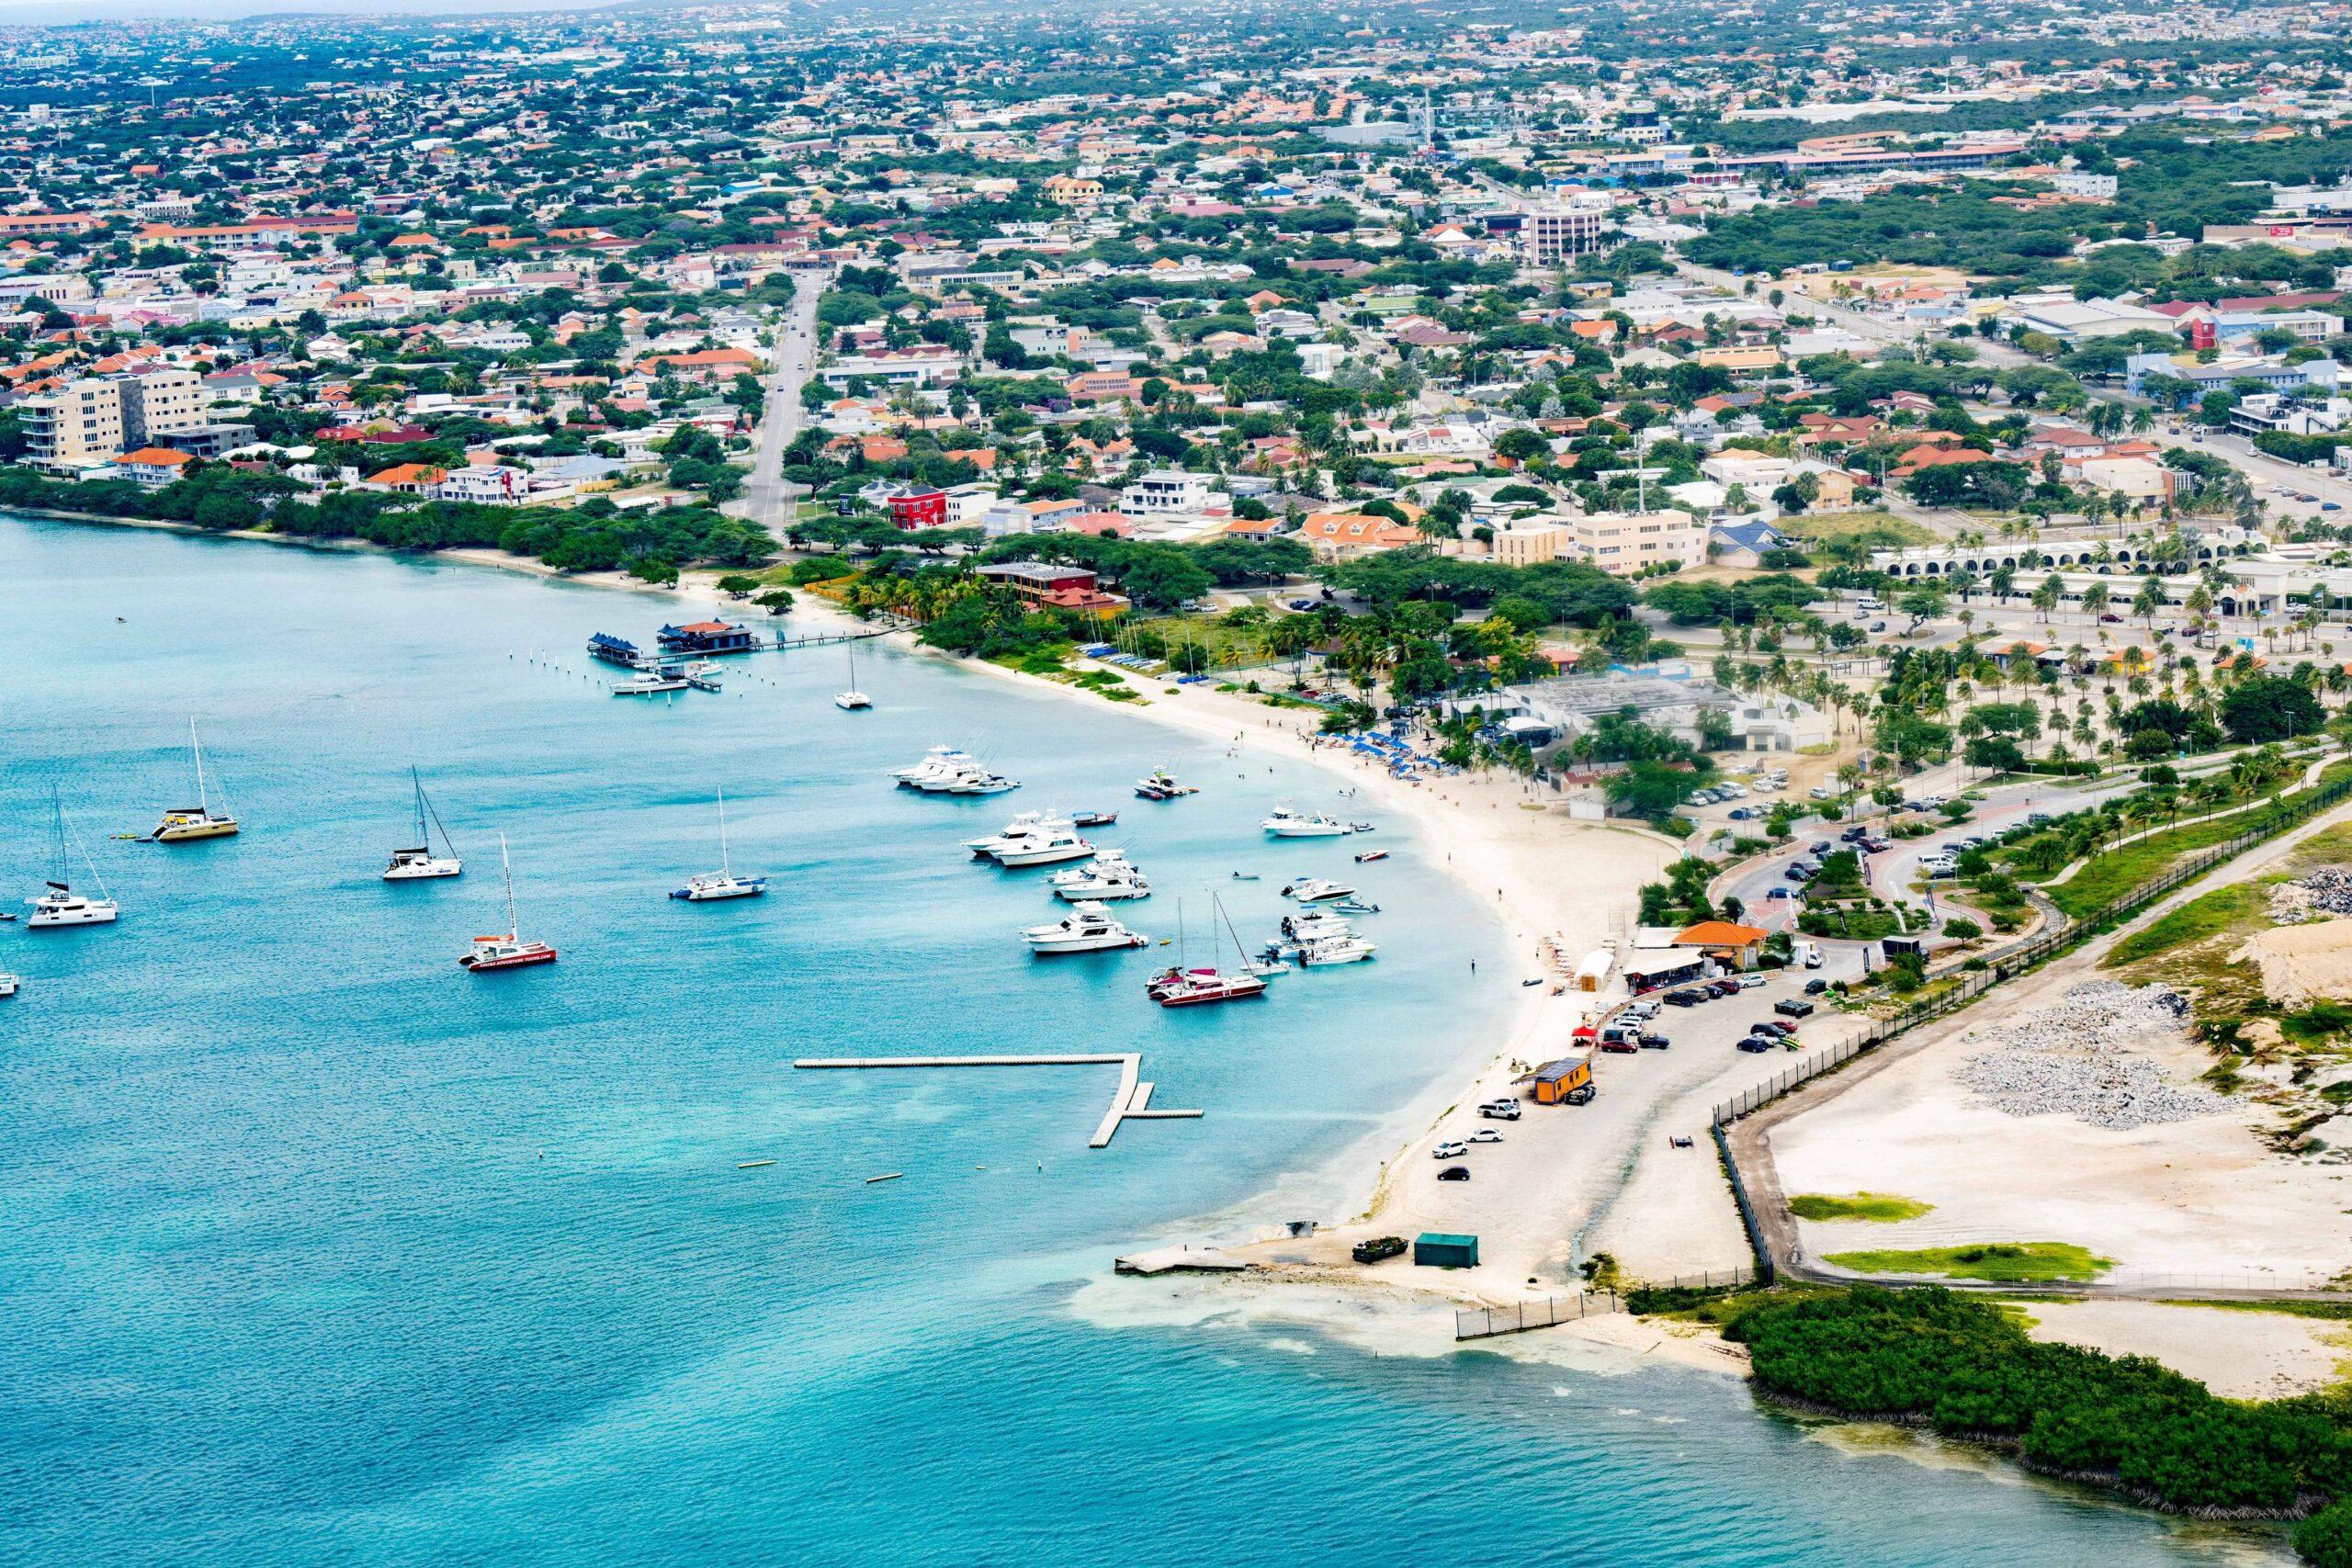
(315, 1250)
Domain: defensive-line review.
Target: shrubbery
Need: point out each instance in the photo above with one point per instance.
(1965, 1368)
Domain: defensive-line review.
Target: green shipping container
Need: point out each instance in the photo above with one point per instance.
(1438, 1250)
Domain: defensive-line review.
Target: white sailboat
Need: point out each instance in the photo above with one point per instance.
(851, 700)
(723, 883)
(59, 906)
(183, 824)
(421, 863)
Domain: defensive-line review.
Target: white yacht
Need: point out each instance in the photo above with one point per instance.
(937, 763)
(1051, 846)
(1317, 889)
(709, 886)
(421, 863)
(1286, 823)
(8, 984)
(652, 682)
(183, 824)
(1312, 924)
(1087, 928)
(1017, 832)
(1110, 876)
(59, 906)
(970, 779)
(1341, 949)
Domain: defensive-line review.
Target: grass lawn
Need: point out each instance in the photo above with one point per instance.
(2110, 875)
(1832, 527)
(1882, 1207)
(2009, 1262)
(2237, 909)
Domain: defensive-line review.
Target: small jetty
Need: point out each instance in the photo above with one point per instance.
(1130, 1102)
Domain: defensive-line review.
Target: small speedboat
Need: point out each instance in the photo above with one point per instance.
(1161, 785)
(1353, 905)
(1334, 950)
(1093, 818)
(1370, 855)
(8, 984)
(1316, 890)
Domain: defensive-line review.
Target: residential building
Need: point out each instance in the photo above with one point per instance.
(1165, 492)
(1628, 542)
(1553, 236)
(77, 427)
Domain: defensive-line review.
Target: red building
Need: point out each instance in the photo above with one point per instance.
(920, 509)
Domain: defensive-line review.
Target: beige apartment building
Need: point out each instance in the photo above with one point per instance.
(1530, 541)
(96, 418)
(1626, 542)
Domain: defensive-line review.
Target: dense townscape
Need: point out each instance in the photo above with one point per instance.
(1897, 458)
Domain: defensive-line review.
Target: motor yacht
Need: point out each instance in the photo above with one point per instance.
(1050, 846)
(936, 762)
(8, 984)
(1286, 823)
(1317, 889)
(1019, 831)
(1312, 924)
(1161, 785)
(652, 682)
(1110, 876)
(710, 885)
(1087, 928)
(421, 863)
(1340, 949)
(185, 824)
(971, 779)
(509, 950)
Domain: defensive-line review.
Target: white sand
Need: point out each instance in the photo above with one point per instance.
(2302, 963)
(2237, 1354)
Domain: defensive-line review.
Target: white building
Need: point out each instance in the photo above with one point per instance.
(1626, 542)
(1166, 492)
(1551, 236)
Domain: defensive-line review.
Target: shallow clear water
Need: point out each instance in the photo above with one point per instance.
(315, 1249)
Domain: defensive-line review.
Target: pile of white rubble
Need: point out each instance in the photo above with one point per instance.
(2076, 1058)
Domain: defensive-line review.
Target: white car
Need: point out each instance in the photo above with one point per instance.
(1485, 1136)
(1449, 1151)
(1824, 792)
(1751, 982)
(1500, 1109)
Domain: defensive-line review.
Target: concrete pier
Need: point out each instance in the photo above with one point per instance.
(1132, 1098)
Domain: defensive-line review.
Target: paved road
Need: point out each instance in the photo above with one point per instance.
(767, 495)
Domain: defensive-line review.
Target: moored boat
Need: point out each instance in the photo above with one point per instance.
(1089, 928)
(936, 762)
(708, 887)
(58, 905)
(185, 824)
(1191, 988)
(1050, 846)
(1111, 876)
(653, 682)
(1316, 890)
(421, 863)
(1160, 785)
(510, 949)
(1285, 823)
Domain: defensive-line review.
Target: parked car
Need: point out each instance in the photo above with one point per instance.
(1792, 1007)
(1749, 982)
(1755, 1042)
(1681, 1000)
(1780, 893)
(1485, 1135)
(1640, 1011)
(1725, 988)
(1779, 1026)
(1500, 1109)
(1819, 847)
(1454, 1173)
(1378, 1249)
(1449, 1151)
(2109, 618)
(1878, 625)
(1656, 1043)
(1815, 988)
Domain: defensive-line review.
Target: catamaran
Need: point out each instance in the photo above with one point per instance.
(183, 824)
(722, 883)
(1186, 987)
(852, 699)
(59, 906)
(509, 950)
(421, 863)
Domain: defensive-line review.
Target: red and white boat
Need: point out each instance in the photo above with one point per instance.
(1189, 988)
(509, 950)
(1182, 987)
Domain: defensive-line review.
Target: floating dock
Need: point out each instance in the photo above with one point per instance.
(1131, 1100)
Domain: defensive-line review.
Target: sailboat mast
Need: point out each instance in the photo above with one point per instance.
(506, 871)
(422, 837)
(723, 868)
(196, 747)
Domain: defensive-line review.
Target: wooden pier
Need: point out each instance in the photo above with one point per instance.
(1132, 1100)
